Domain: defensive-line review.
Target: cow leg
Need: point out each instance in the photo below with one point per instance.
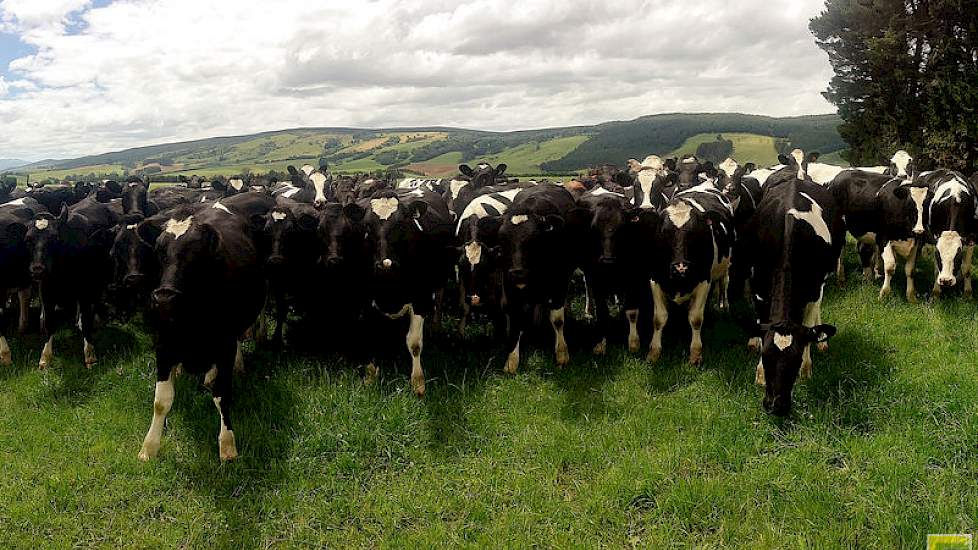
(162, 401)
(439, 300)
(238, 359)
(6, 358)
(415, 341)
(966, 269)
(936, 291)
(560, 349)
(867, 252)
(659, 318)
(601, 309)
(697, 307)
(281, 312)
(889, 268)
(877, 262)
(759, 373)
(87, 315)
(633, 340)
(48, 328)
(25, 304)
(723, 285)
(813, 316)
(840, 269)
(908, 269)
(588, 300)
(223, 395)
(466, 308)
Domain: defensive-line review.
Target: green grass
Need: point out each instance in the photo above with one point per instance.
(747, 147)
(881, 450)
(527, 158)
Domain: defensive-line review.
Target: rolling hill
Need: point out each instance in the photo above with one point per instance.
(437, 151)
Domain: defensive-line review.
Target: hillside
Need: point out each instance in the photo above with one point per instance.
(437, 151)
(6, 164)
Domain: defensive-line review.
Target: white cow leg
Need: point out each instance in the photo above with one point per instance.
(966, 269)
(877, 262)
(889, 268)
(908, 269)
(513, 359)
(659, 319)
(466, 309)
(840, 270)
(238, 359)
(89, 351)
(759, 373)
(25, 304)
(588, 300)
(47, 353)
(633, 340)
(210, 376)
(936, 291)
(162, 402)
(6, 359)
(560, 349)
(697, 307)
(415, 341)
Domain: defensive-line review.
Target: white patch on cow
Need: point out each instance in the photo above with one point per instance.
(903, 248)
(41, 224)
(598, 191)
(952, 188)
(901, 159)
(18, 202)
(473, 252)
(278, 216)
(653, 162)
(799, 157)
(948, 245)
(919, 194)
(679, 213)
(225, 439)
(133, 184)
(178, 228)
(162, 402)
(219, 206)
(319, 184)
(813, 218)
(47, 352)
(291, 191)
(729, 166)
(236, 184)
(689, 160)
(696, 205)
(783, 341)
(761, 175)
(384, 207)
(307, 169)
(646, 178)
(132, 227)
(203, 199)
(455, 186)
(518, 219)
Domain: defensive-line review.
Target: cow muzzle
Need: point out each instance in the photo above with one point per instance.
(679, 270)
(164, 298)
(38, 271)
(519, 277)
(134, 280)
(947, 280)
(607, 260)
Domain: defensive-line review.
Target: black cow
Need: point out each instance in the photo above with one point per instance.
(409, 238)
(211, 290)
(792, 246)
(615, 258)
(537, 259)
(70, 262)
(952, 226)
(887, 215)
(292, 263)
(745, 195)
(53, 196)
(693, 248)
(9, 190)
(15, 216)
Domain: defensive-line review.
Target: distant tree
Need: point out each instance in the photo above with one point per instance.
(715, 151)
(906, 76)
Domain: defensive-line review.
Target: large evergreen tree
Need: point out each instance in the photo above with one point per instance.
(906, 76)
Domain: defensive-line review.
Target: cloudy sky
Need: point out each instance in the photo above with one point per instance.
(88, 76)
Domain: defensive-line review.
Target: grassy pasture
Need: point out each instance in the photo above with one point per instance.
(880, 451)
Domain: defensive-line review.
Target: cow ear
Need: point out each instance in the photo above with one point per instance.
(501, 169)
(466, 170)
(821, 333)
(417, 209)
(553, 222)
(63, 215)
(901, 192)
(292, 170)
(749, 167)
(783, 159)
(813, 156)
(354, 212)
(149, 231)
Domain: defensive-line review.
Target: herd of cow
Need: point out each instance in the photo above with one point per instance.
(203, 261)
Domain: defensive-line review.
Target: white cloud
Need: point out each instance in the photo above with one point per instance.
(143, 71)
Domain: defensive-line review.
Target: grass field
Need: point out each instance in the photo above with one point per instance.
(880, 451)
(747, 147)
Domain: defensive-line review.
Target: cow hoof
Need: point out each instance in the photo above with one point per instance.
(806, 371)
(601, 347)
(759, 374)
(912, 298)
(884, 294)
(563, 357)
(42, 364)
(6, 359)
(512, 363)
(371, 374)
(695, 357)
(417, 386)
(149, 451)
(653, 355)
(822, 346)
(210, 377)
(634, 345)
(754, 344)
(227, 448)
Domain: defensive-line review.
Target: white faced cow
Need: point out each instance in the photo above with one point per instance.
(952, 226)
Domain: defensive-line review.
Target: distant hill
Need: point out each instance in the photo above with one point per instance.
(6, 164)
(438, 150)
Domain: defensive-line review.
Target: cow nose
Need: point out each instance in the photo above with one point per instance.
(276, 260)
(475, 300)
(319, 203)
(386, 263)
(37, 271)
(918, 231)
(680, 269)
(946, 281)
(165, 296)
(133, 280)
(518, 274)
(777, 407)
(607, 260)
(333, 261)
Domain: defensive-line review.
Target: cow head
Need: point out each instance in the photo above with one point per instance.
(393, 229)
(341, 234)
(689, 169)
(320, 183)
(289, 233)
(685, 238)
(784, 346)
(609, 219)
(477, 257)
(523, 239)
(910, 206)
(133, 256)
(902, 165)
(484, 173)
(7, 187)
(135, 196)
(185, 250)
(797, 162)
(952, 225)
(45, 242)
(345, 189)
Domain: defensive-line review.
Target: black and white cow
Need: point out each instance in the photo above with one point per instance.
(952, 226)
(409, 238)
(15, 217)
(693, 248)
(901, 165)
(312, 188)
(52, 197)
(792, 247)
(745, 195)
(473, 180)
(211, 290)
(70, 262)
(888, 216)
(654, 183)
(9, 190)
(477, 232)
(615, 260)
(537, 259)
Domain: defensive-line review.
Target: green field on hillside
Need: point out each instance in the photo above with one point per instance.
(747, 147)
(527, 158)
(882, 447)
